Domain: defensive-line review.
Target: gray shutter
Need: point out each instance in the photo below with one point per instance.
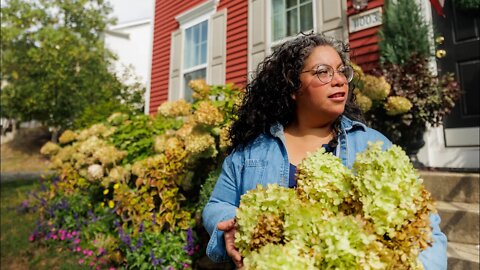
(175, 80)
(217, 48)
(257, 40)
(332, 18)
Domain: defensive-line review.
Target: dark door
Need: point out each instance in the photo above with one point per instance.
(460, 30)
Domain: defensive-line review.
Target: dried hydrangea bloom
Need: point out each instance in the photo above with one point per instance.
(363, 102)
(270, 204)
(119, 174)
(397, 105)
(164, 143)
(207, 114)
(67, 137)
(91, 145)
(225, 141)
(175, 108)
(138, 168)
(202, 144)
(358, 72)
(200, 89)
(108, 155)
(376, 88)
(98, 130)
(187, 128)
(95, 172)
(49, 149)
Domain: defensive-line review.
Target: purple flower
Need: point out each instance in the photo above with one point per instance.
(139, 242)
(154, 221)
(155, 261)
(141, 227)
(190, 246)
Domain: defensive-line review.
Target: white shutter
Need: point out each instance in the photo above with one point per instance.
(175, 80)
(217, 48)
(257, 39)
(332, 18)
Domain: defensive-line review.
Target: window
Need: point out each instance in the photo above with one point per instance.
(290, 17)
(195, 52)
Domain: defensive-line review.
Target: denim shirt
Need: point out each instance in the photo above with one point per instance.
(265, 161)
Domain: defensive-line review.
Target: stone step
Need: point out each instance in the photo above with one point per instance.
(452, 186)
(463, 256)
(460, 221)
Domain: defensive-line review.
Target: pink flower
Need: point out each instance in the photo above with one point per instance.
(78, 249)
(69, 236)
(74, 233)
(111, 268)
(90, 253)
(54, 237)
(85, 252)
(80, 261)
(186, 265)
(62, 237)
(92, 264)
(76, 241)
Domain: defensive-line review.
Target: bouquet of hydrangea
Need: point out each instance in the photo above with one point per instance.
(375, 216)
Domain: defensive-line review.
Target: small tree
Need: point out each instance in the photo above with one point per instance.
(55, 67)
(403, 33)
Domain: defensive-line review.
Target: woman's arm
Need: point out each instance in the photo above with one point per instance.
(435, 257)
(221, 207)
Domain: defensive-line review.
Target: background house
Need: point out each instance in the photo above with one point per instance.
(131, 39)
(223, 40)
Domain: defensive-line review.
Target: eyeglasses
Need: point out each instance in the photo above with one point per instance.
(325, 73)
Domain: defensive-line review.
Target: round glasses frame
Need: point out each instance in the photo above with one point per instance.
(325, 73)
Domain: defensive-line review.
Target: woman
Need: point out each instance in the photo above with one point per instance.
(298, 102)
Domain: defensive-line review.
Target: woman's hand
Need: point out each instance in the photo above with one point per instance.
(229, 227)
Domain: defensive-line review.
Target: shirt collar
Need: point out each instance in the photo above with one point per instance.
(276, 130)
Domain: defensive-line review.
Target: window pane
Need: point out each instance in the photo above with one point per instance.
(278, 6)
(305, 1)
(306, 17)
(278, 31)
(203, 53)
(197, 74)
(196, 34)
(292, 22)
(188, 48)
(291, 3)
(204, 31)
(196, 53)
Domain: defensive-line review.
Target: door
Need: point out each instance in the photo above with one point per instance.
(461, 44)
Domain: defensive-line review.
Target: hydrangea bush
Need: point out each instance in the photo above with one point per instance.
(122, 184)
(375, 216)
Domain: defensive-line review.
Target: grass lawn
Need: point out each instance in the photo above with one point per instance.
(17, 252)
(22, 154)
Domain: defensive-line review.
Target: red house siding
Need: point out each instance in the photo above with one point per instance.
(165, 24)
(364, 43)
(237, 40)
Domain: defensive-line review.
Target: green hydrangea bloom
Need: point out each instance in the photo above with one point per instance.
(279, 257)
(388, 185)
(323, 179)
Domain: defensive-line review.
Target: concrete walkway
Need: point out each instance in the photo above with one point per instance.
(14, 176)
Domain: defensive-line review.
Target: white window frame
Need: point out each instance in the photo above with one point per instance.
(194, 16)
(272, 44)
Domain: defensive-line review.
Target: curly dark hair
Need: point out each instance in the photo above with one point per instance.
(268, 98)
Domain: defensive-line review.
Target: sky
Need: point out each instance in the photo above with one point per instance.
(132, 10)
